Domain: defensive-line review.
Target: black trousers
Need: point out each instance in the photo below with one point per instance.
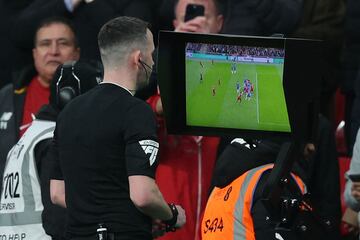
(110, 236)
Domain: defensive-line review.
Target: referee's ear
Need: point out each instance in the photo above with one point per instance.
(135, 59)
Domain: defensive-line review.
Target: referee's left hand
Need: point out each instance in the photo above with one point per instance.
(181, 219)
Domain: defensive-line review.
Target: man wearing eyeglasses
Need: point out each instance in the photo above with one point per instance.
(54, 43)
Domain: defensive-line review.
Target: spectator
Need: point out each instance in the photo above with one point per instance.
(186, 162)
(352, 187)
(87, 16)
(263, 17)
(351, 72)
(166, 14)
(55, 43)
(324, 20)
(32, 150)
(9, 10)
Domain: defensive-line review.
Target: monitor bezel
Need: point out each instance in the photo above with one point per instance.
(297, 66)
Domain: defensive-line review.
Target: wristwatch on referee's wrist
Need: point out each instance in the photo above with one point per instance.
(170, 224)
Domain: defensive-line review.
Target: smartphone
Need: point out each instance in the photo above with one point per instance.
(194, 10)
(354, 177)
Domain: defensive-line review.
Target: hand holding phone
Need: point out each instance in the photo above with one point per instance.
(194, 20)
(193, 11)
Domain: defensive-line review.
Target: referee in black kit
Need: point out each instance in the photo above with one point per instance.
(106, 145)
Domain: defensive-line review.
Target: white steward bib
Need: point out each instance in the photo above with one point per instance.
(20, 202)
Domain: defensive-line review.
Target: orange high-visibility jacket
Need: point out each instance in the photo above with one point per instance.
(228, 211)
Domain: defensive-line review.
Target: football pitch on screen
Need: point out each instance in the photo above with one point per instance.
(214, 102)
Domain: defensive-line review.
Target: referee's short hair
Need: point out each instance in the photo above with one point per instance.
(121, 36)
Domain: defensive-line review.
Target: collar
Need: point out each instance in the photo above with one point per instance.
(23, 78)
(132, 94)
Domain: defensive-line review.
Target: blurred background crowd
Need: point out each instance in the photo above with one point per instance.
(336, 22)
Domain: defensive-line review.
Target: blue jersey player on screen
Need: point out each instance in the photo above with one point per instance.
(238, 87)
(248, 89)
(233, 66)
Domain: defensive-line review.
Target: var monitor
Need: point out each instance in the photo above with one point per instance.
(238, 85)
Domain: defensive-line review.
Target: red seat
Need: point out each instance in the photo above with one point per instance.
(339, 107)
(344, 164)
(340, 123)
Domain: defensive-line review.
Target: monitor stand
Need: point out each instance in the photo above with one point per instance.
(292, 214)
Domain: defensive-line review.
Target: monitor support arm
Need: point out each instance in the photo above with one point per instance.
(291, 215)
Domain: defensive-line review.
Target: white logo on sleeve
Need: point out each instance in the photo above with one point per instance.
(243, 142)
(278, 236)
(5, 117)
(152, 147)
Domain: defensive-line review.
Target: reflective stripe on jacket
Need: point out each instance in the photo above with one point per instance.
(228, 211)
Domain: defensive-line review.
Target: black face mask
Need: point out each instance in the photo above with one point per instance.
(146, 66)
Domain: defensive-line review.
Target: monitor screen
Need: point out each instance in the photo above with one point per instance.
(234, 86)
(246, 86)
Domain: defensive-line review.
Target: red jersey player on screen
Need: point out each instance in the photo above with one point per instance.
(238, 99)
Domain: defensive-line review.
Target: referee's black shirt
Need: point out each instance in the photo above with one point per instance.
(97, 140)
